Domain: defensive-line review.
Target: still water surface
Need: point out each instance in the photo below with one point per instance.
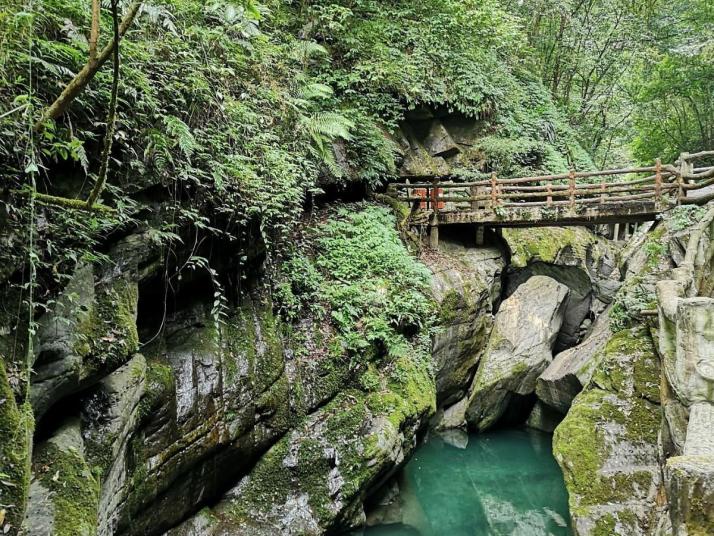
(503, 483)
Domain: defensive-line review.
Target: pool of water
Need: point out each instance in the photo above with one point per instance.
(502, 483)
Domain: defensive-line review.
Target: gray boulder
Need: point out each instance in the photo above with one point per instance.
(572, 369)
(518, 350)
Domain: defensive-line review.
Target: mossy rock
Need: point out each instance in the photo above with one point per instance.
(567, 245)
(61, 471)
(90, 332)
(607, 443)
(314, 479)
(16, 429)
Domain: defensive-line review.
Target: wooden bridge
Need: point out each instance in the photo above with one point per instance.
(574, 198)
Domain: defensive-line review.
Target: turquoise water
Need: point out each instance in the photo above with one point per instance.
(503, 483)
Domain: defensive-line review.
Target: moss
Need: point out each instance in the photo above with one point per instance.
(275, 402)
(106, 335)
(449, 307)
(335, 439)
(629, 364)
(16, 429)
(582, 448)
(547, 244)
(141, 487)
(159, 387)
(73, 488)
(253, 335)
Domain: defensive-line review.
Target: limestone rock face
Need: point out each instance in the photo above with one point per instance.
(572, 369)
(438, 141)
(90, 332)
(607, 443)
(313, 480)
(216, 398)
(64, 493)
(466, 285)
(544, 418)
(690, 490)
(518, 350)
(690, 367)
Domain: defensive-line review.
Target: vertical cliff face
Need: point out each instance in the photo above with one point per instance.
(632, 446)
(289, 410)
(153, 404)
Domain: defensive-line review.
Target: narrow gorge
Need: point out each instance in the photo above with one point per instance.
(361, 268)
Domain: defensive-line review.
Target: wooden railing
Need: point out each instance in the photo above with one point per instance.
(649, 189)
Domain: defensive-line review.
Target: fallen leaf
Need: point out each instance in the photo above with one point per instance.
(56, 477)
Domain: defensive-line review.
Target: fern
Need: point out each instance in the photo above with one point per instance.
(181, 133)
(324, 128)
(314, 91)
(304, 51)
(327, 126)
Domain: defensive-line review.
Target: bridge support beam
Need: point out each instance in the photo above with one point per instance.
(434, 236)
(480, 230)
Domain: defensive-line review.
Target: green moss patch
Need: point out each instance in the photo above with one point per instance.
(16, 428)
(546, 244)
(74, 490)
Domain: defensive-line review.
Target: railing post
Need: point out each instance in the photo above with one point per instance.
(685, 168)
(474, 202)
(571, 188)
(494, 193)
(549, 199)
(603, 189)
(658, 184)
(434, 233)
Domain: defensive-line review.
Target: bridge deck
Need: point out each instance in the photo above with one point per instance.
(575, 198)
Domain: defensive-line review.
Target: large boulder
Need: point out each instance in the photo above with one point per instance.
(579, 301)
(572, 369)
(607, 443)
(518, 350)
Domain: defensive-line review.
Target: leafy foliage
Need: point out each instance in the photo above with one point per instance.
(363, 279)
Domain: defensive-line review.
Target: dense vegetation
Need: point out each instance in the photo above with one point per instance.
(217, 123)
(231, 115)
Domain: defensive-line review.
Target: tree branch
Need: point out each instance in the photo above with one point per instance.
(94, 31)
(64, 202)
(111, 119)
(86, 75)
